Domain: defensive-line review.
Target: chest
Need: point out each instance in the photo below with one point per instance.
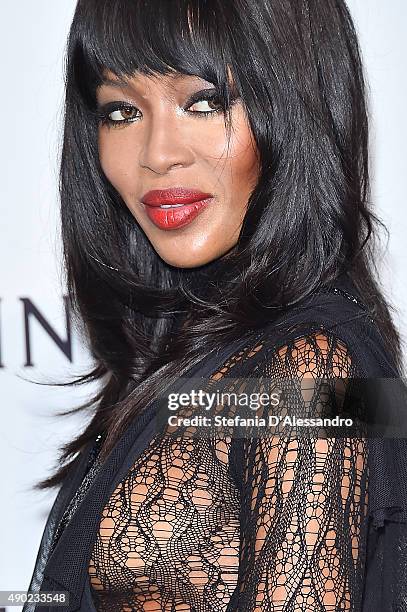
(169, 533)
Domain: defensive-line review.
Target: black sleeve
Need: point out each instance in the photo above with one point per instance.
(303, 497)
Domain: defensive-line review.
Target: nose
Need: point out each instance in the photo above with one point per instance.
(165, 146)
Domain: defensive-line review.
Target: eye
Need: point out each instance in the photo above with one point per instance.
(123, 114)
(207, 104)
(117, 113)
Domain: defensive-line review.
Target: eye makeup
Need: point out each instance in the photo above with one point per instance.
(118, 113)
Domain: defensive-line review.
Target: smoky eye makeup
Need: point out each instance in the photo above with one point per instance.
(121, 112)
(214, 97)
(117, 112)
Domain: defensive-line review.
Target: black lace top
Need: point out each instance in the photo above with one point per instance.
(222, 523)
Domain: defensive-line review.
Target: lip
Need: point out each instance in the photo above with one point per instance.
(175, 195)
(186, 205)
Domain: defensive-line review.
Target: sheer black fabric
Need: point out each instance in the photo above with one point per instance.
(281, 523)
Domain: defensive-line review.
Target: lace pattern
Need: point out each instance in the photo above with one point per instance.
(283, 529)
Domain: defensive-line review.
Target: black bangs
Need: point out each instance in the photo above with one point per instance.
(160, 36)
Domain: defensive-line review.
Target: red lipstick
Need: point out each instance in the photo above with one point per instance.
(176, 207)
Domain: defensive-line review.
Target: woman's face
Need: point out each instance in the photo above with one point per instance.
(172, 165)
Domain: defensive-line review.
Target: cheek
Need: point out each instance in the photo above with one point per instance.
(236, 164)
(244, 160)
(117, 161)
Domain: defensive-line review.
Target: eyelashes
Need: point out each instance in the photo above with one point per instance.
(115, 114)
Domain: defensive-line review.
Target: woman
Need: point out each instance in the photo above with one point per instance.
(216, 228)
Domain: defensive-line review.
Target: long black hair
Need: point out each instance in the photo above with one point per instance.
(297, 68)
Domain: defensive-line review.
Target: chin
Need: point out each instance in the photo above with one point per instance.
(188, 259)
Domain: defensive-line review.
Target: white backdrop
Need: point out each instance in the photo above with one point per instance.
(32, 40)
